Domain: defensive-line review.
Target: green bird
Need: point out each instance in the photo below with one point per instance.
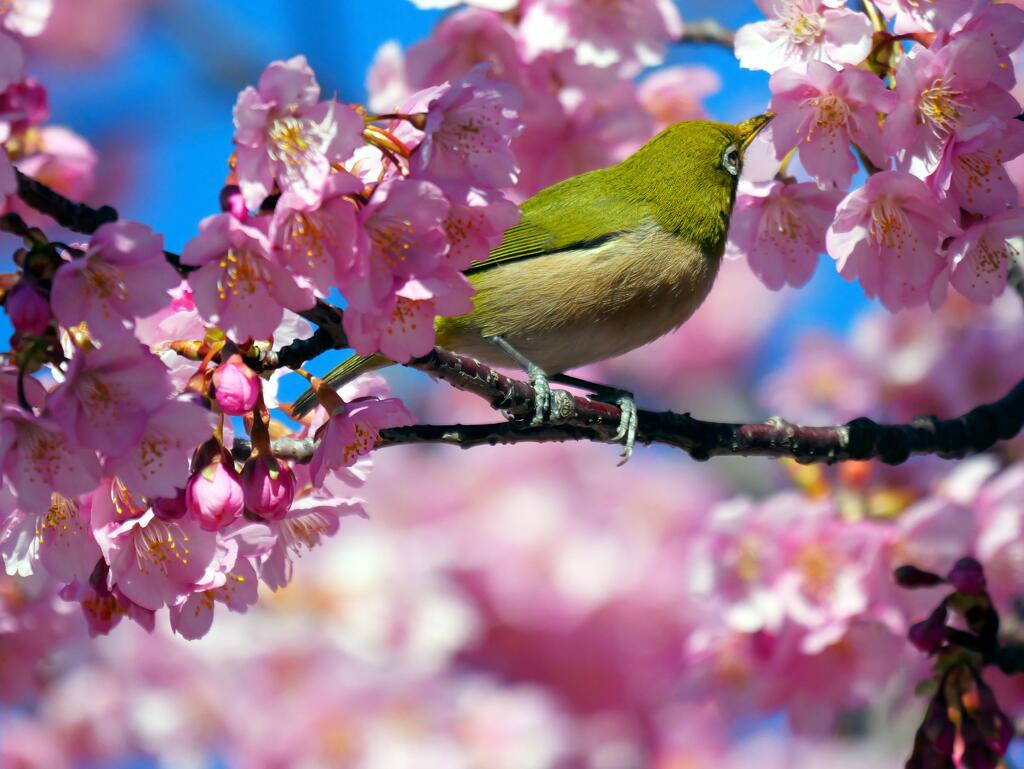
(599, 264)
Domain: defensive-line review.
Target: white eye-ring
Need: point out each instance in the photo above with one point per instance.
(731, 160)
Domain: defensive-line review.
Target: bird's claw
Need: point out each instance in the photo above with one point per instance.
(627, 426)
(542, 399)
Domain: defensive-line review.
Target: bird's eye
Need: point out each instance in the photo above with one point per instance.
(731, 160)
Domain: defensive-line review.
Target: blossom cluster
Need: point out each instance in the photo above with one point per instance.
(328, 200)
(119, 480)
(920, 94)
(574, 65)
(133, 370)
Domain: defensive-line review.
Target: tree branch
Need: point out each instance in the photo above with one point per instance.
(577, 418)
(574, 417)
(707, 31)
(76, 217)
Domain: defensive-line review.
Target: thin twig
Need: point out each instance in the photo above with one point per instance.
(707, 31)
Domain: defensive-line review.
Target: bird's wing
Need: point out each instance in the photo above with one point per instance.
(577, 213)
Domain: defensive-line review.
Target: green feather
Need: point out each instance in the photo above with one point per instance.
(571, 214)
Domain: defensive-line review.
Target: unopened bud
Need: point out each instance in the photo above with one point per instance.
(928, 635)
(28, 309)
(214, 496)
(236, 386)
(967, 576)
(268, 494)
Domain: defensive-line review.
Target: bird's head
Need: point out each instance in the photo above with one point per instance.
(689, 174)
(706, 154)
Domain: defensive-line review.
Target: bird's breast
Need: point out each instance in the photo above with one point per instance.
(570, 308)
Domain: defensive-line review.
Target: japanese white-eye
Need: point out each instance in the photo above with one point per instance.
(601, 263)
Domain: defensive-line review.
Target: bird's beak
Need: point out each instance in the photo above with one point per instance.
(749, 129)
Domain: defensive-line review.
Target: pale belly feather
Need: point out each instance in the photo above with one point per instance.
(572, 308)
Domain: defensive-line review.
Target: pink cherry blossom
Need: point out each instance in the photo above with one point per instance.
(239, 286)
(804, 30)
(461, 41)
(402, 327)
(157, 466)
(405, 224)
(468, 133)
(322, 243)
(927, 15)
(311, 520)
(821, 111)
(476, 222)
(633, 32)
(103, 607)
(28, 309)
(123, 275)
(942, 94)
(889, 235)
(780, 228)
(61, 159)
(27, 17)
(157, 563)
(268, 493)
(284, 133)
(37, 459)
(105, 401)
(973, 171)
(214, 496)
(352, 432)
(674, 94)
(58, 537)
(1000, 25)
(193, 618)
(236, 386)
(178, 320)
(983, 254)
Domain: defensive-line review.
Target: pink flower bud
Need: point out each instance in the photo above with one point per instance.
(967, 576)
(236, 386)
(929, 635)
(28, 309)
(267, 496)
(170, 508)
(214, 496)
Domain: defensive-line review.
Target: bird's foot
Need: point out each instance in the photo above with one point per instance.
(626, 433)
(542, 401)
(538, 380)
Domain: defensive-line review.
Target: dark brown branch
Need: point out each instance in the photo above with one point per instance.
(79, 217)
(76, 217)
(971, 433)
(577, 418)
(707, 31)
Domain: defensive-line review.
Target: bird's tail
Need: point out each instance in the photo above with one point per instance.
(340, 375)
